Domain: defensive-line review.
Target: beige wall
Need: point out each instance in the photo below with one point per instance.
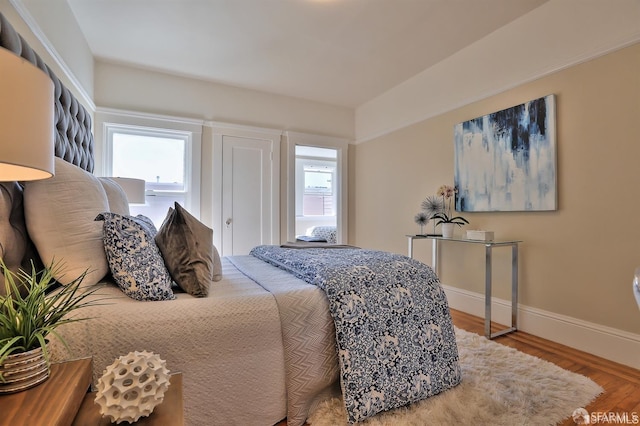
(519, 52)
(577, 261)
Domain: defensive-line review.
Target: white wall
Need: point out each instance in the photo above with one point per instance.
(51, 30)
(128, 88)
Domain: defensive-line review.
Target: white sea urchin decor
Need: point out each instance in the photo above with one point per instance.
(132, 386)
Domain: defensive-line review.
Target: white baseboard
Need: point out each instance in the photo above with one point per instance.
(610, 343)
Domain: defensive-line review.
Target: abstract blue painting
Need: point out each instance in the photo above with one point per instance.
(506, 160)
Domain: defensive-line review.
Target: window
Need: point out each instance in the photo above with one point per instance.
(158, 160)
(163, 158)
(316, 173)
(318, 194)
(318, 181)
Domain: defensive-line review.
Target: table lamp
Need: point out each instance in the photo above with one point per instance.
(133, 188)
(26, 120)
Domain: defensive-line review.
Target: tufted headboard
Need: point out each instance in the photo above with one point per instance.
(74, 137)
(73, 143)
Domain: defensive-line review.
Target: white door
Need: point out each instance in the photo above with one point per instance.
(249, 199)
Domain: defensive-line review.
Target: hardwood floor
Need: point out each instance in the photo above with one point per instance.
(621, 383)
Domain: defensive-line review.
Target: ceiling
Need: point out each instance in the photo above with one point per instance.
(340, 52)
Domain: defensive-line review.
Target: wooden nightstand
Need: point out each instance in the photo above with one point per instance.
(63, 400)
(54, 402)
(170, 412)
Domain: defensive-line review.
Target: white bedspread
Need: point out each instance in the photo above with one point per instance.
(228, 346)
(308, 333)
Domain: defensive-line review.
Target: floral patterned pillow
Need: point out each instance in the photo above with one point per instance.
(328, 233)
(134, 259)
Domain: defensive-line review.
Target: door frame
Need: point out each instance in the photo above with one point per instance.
(342, 146)
(220, 130)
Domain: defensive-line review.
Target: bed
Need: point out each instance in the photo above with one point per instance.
(229, 346)
(257, 338)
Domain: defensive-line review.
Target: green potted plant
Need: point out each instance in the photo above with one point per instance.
(445, 216)
(28, 318)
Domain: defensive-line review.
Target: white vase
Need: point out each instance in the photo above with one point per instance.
(447, 230)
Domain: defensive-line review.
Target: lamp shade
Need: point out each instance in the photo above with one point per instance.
(133, 188)
(26, 120)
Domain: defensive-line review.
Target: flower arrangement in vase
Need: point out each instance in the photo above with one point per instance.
(445, 216)
(439, 208)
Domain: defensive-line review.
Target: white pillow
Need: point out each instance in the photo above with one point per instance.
(60, 214)
(116, 197)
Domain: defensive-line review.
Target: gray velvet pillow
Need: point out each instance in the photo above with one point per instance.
(187, 247)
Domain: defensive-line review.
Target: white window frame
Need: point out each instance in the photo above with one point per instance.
(159, 126)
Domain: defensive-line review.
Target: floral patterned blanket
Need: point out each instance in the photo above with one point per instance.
(396, 342)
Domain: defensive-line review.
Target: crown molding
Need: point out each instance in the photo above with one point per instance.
(149, 116)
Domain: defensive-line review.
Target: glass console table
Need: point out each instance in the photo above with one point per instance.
(489, 246)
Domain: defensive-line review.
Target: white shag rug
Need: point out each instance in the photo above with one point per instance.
(500, 386)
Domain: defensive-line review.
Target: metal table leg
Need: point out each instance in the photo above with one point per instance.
(514, 286)
(488, 278)
(488, 263)
(514, 293)
(434, 256)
